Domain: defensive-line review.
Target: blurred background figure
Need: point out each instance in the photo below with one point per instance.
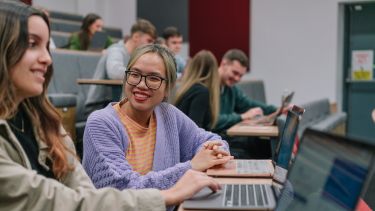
(199, 93)
(91, 24)
(173, 40)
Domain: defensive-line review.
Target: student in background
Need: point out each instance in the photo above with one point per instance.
(112, 64)
(142, 141)
(38, 166)
(198, 95)
(91, 24)
(173, 40)
(235, 106)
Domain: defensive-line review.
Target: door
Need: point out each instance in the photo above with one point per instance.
(359, 95)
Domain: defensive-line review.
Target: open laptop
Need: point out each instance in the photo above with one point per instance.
(98, 41)
(271, 119)
(330, 173)
(265, 168)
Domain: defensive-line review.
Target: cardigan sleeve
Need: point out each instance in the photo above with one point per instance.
(105, 162)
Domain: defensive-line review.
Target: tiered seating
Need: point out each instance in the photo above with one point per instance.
(61, 39)
(64, 90)
(65, 16)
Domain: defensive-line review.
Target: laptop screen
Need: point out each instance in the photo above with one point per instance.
(284, 149)
(98, 41)
(328, 174)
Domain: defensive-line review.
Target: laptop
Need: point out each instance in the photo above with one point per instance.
(271, 119)
(330, 173)
(265, 168)
(98, 41)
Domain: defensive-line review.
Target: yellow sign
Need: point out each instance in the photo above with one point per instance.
(362, 64)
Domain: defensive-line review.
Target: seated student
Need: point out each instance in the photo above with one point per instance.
(235, 106)
(198, 95)
(173, 40)
(142, 141)
(38, 166)
(81, 40)
(112, 64)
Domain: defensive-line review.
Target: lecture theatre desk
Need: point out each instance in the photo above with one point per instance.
(248, 129)
(244, 129)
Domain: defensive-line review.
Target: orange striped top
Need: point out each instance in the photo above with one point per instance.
(141, 147)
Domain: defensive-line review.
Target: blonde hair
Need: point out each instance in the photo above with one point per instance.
(13, 45)
(203, 70)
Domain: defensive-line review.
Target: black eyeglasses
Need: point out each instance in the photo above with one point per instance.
(152, 81)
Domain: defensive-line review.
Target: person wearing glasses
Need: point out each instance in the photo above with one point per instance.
(39, 169)
(142, 141)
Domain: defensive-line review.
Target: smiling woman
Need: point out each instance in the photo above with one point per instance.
(36, 155)
(33, 65)
(142, 141)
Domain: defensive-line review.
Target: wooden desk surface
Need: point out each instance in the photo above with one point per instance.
(237, 181)
(243, 129)
(99, 81)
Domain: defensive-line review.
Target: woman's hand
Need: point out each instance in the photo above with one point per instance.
(206, 158)
(216, 146)
(252, 113)
(188, 185)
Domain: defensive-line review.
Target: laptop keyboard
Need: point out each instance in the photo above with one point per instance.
(252, 166)
(242, 195)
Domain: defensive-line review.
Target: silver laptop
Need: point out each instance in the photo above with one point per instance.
(271, 119)
(329, 173)
(266, 168)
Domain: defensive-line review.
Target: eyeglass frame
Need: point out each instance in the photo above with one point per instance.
(143, 76)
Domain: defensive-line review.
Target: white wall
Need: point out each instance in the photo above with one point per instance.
(115, 13)
(297, 45)
(294, 46)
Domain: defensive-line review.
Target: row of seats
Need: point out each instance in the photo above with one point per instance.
(318, 115)
(64, 92)
(61, 39)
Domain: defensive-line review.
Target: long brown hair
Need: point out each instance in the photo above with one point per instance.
(202, 69)
(84, 35)
(13, 45)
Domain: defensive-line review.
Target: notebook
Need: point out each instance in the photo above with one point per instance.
(329, 173)
(98, 41)
(265, 168)
(271, 119)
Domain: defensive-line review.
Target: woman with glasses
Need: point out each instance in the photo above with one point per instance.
(142, 141)
(38, 166)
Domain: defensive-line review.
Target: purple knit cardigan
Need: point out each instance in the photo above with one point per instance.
(106, 140)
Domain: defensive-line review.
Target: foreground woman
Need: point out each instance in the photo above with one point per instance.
(38, 166)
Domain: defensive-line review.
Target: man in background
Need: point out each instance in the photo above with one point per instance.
(235, 107)
(112, 64)
(173, 40)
